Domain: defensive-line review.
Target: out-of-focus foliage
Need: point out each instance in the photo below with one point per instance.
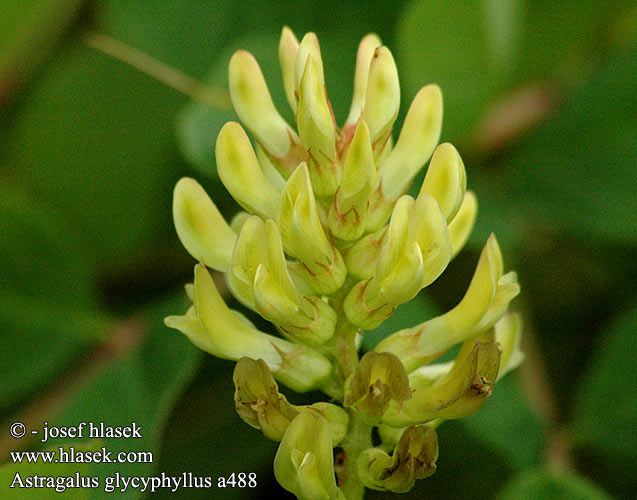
(539, 97)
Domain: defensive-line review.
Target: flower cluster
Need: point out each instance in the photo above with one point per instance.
(328, 247)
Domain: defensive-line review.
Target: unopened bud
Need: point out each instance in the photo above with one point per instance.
(241, 174)
(446, 180)
(415, 252)
(316, 128)
(382, 98)
(202, 230)
(416, 143)
(288, 49)
(363, 60)
(484, 303)
(348, 211)
(304, 464)
(303, 235)
(252, 101)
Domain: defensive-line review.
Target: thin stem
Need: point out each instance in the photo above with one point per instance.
(193, 88)
(341, 348)
(357, 440)
(343, 351)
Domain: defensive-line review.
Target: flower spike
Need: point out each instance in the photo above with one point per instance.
(327, 246)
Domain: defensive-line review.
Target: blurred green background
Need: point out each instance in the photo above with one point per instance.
(540, 100)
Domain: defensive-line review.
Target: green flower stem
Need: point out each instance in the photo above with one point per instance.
(341, 348)
(357, 439)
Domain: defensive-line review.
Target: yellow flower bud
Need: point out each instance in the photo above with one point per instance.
(317, 131)
(309, 47)
(288, 49)
(364, 56)
(241, 174)
(348, 212)
(382, 98)
(303, 235)
(227, 334)
(200, 227)
(252, 101)
(446, 180)
(416, 251)
(258, 276)
(416, 143)
(484, 303)
(304, 464)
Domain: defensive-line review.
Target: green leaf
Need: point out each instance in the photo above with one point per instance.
(93, 140)
(409, 314)
(28, 29)
(571, 173)
(47, 298)
(141, 387)
(533, 484)
(604, 410)
(453, 44)
(15, 474)
(508, 425)
(561, 38)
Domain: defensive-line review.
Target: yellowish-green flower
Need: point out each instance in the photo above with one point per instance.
(329, 245)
